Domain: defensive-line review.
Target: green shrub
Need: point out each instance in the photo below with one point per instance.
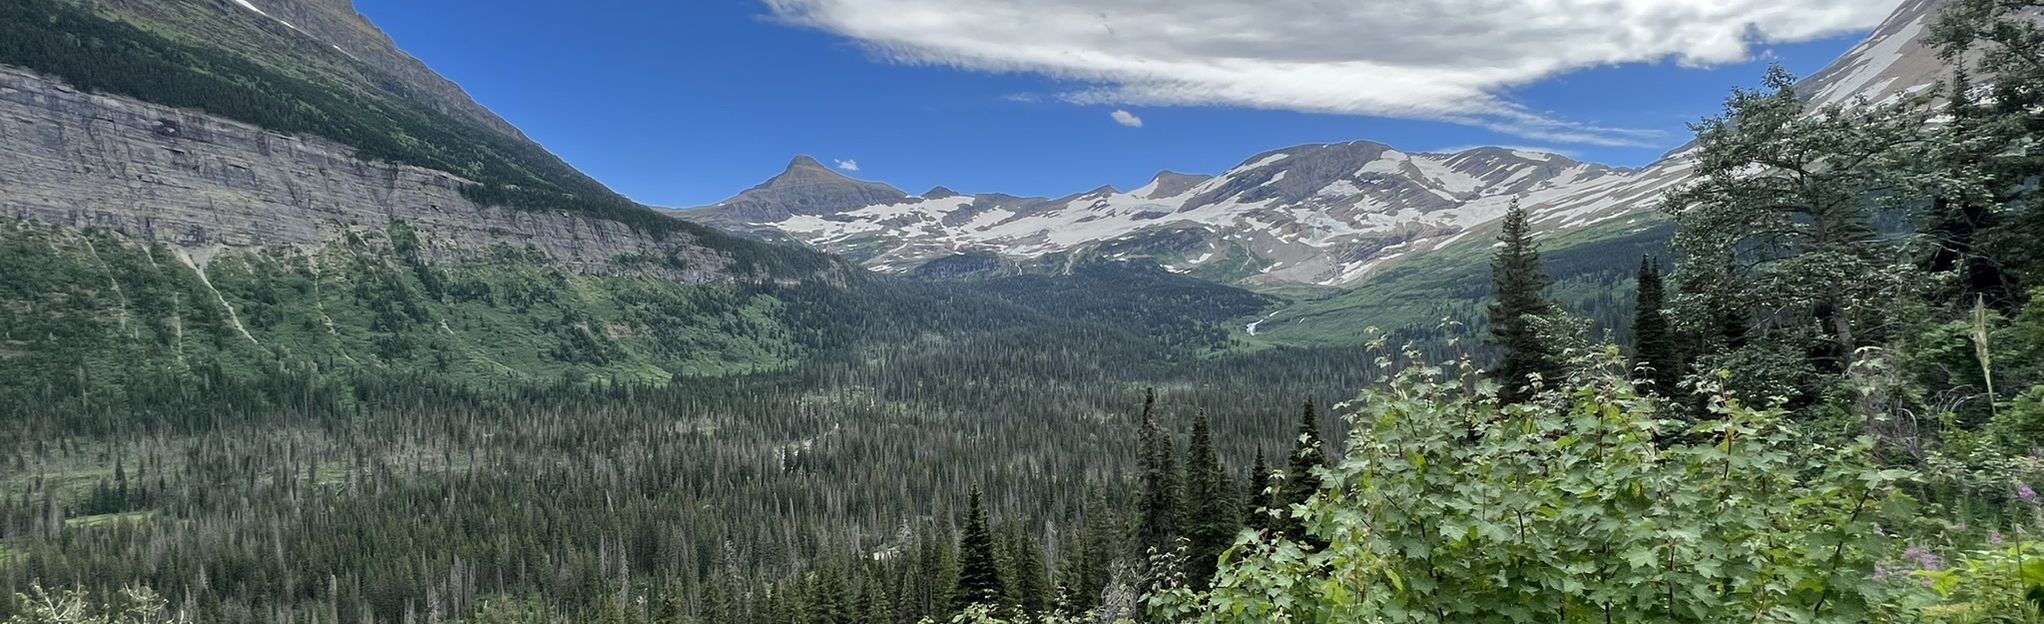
(1587, 507)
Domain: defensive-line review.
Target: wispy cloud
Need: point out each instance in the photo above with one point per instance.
(1127, 119)
(1542, 149)
(1446, 60)
(848, 165)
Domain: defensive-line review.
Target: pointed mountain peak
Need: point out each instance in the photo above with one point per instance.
(805, 170)
(940, 193)
(804, 161)
(807, 187)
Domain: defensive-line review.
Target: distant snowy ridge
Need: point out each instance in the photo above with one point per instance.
(1329, 215)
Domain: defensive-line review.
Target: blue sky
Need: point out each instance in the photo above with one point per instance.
(687, 103)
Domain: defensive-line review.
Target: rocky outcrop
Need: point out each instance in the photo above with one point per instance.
(204, 183)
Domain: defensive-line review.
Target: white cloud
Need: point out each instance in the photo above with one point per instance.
(848, 165)
(1539, 149)
(1127, 119)
(1446, 60)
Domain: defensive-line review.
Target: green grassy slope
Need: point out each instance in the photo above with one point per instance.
(1593, 270)
(96, 306)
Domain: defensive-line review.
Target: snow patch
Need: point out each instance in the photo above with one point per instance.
(1265, 162)
(258, 11)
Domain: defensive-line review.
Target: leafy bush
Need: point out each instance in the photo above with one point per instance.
(2002, 583)
(1588, 506)
(133, 605)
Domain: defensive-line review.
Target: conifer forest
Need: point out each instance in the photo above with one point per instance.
(1809, 389)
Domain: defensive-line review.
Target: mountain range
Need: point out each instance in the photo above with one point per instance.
(1321, 215)
(253, 186)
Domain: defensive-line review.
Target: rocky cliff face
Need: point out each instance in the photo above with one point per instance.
(204, 184)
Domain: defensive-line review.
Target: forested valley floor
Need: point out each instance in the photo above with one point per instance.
(1825, 403)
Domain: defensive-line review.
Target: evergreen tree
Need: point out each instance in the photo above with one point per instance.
(617, 612)
(1160, 520)
(1085, 572)
(1653, 344)
(716, 607)
(1519, 281)
(674, 606)
(979, 566)
(2005, 44)
(1301, 480)
(1780, 225)
(1032, 592)
(1259, 494)
(875, 605)
(830, 598)
(1964, 216)
(1211, 522)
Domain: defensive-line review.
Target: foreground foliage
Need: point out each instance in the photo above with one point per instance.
(1590, 506)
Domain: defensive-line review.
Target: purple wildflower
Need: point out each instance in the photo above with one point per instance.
(1994, 539)
(2027, 495)
(1924, 558)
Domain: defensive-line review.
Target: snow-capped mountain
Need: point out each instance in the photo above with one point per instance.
(1328, 215)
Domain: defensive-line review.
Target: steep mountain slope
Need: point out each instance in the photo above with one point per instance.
(1324, 215)
(237, 190)
(325, 39)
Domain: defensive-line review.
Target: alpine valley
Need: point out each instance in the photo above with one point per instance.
(295, 331)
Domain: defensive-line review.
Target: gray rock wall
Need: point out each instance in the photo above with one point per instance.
(204, 183)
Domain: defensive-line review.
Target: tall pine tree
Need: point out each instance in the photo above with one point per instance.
(1031, 589)
(1302, 480)
(1964, 217)
(1211, 521)
(1159, 526)
(1259, 494)
(1519, 280)
(1085, 572)
(1654, 351)
(979, 566)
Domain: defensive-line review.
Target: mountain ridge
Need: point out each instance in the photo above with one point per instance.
(1331, 214)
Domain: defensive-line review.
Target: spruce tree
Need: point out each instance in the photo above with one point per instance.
(1160, 518)
(1962, 221)
(2002, 42)
(1211, 522)
(830, 598)
(1301, 480)
(1519, 280)
(1032, 592)
(1259, 494)
(674, 605)
(1653, 343)
(979, 566)
(1086, 571)
(877, 605)
(716, 607)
